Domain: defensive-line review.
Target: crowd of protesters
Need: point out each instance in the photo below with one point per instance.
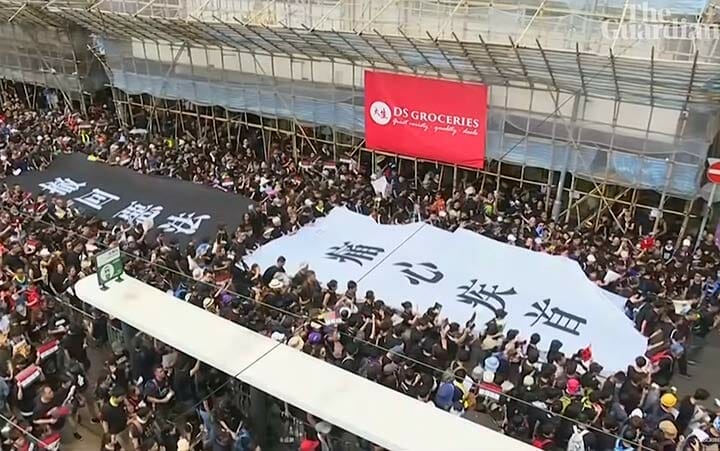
(538, 392)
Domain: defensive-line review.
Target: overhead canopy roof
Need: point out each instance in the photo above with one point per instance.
(660, 81)
(364, 408)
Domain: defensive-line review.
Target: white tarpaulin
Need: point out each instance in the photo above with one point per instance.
(466, 273)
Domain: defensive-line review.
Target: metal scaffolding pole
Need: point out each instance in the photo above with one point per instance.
(530, 22)
(175, 60)
(557, 203)
(448, 21)
(144, 7)
(373, 18)
(322, 20)
(18, 11)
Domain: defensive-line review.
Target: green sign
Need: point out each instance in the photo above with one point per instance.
(109, 266)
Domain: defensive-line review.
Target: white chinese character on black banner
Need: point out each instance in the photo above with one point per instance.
(137, 213)
(186, 223)
(97, 198)
(62, 186)
(556, 318)
(353, 252)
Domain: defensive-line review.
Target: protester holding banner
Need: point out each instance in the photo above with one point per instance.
(457, 364)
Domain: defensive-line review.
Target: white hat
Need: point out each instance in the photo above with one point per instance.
(44, 252)
(511, 238)
(296, 342)
(278, 336)
(323, 427)
(686, 242)
(636, 413)
(591, 258)
(477, 372)
(275, 284)
(276, 221)
(470, 190)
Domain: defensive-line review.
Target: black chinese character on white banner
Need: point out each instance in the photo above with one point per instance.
(479, 294)
(353, 252)
(556, 318)
(415, 278)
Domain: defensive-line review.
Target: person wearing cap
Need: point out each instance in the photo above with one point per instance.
(664, 410)
(666, 436)
(113, 417)
(572, 394)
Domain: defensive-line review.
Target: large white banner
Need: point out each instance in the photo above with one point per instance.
(465, 273)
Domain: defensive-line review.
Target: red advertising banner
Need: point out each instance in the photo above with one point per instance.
(425, 118)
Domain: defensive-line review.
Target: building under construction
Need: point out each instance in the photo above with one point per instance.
(609, 104)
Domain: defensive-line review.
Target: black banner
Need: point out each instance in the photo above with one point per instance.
(182, 210)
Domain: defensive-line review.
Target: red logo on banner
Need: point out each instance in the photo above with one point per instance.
(430, 119)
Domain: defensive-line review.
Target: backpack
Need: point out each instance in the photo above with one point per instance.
(577, 442)
(242, 442)
(541, 443)
(181, 292)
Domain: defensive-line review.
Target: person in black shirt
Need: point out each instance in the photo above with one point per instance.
(688, 408)
(75, 345)
(143, 429)
(114, 418)
(271, 271)
(606, 440)
(142, 361)
(50, 411)
(58, 280)
(14, 260)
(72, 255)
(631, 392)
(704, 322)
(694, 289)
